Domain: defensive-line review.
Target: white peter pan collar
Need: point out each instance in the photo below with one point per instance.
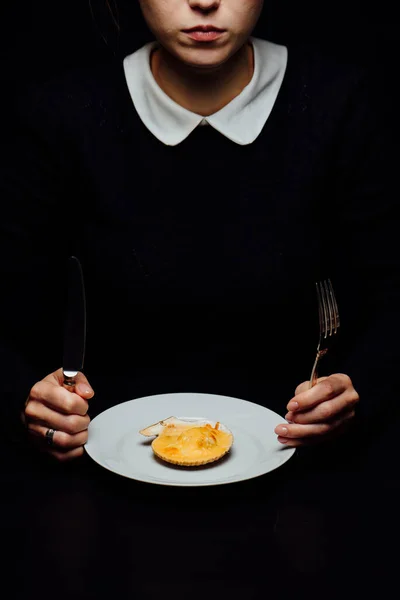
(241, 120)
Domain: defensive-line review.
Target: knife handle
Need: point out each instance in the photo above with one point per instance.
(69, 383)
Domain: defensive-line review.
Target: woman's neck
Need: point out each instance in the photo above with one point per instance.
(200, 91)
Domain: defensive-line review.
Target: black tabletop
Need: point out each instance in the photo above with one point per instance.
(323, 524)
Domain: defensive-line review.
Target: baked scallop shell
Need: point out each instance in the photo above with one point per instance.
(189, 441)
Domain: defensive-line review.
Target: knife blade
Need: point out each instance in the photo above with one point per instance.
(74, 323)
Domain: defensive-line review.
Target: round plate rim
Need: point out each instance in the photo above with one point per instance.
(289, 450)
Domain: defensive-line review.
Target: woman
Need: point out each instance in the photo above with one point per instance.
(206, 183)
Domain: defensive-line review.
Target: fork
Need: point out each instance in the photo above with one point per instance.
(329, 323)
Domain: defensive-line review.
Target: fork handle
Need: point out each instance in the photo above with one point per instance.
(314, 372)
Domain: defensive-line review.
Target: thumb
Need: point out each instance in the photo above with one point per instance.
(83, 387)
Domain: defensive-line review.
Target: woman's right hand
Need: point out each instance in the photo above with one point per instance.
(51, 406)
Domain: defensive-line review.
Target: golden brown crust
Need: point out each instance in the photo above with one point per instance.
(189, 463)
(189, 442)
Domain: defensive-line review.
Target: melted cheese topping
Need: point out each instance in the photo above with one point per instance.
(192, 445)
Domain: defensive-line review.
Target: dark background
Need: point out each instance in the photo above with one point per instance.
(39, 39)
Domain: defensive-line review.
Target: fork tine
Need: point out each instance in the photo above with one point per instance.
(336, 317)
(323, 308)
(326, 308)
(320, 311)
(329, 307)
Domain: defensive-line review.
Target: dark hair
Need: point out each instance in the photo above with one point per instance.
(120, 25)
(112, 7)
(103, 14)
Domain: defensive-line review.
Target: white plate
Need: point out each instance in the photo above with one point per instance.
(115, 443)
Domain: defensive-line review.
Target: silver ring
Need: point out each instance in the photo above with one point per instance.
(49, 436)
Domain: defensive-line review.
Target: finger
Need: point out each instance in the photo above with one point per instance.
(324, 390)
(294, 430)
(58, 398)
(61, 439)
(312, 440)
(326, 411)
(36, 411)
(303, 387)
(82, 386)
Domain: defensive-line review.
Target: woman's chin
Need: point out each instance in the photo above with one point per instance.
(203, 58)
(203, 63)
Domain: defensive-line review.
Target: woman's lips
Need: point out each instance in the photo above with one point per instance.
(204, 33)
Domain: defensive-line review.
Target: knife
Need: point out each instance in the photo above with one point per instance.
(74, 324)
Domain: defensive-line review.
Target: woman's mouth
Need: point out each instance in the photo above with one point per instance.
(204, 33)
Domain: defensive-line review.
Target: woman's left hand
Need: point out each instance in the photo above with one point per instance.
(317, 414)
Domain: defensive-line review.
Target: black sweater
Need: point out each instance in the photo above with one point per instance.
(200, 260)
